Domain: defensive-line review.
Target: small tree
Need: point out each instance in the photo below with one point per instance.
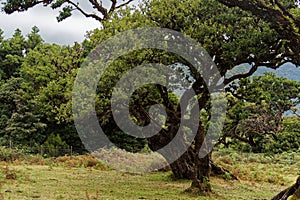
(257, 107)
(55, 146)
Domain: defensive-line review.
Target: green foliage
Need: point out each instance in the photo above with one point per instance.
(9, 155)
(8, 91)
(33, 39)
(38, 111)
(1, 35)
(126, 142)
(24, 126)
(65, 13)
(55, 146)
(11, 54)
(36, 93)
(255, 114)
(230, 35)
(289, 139)
(49, 72)
(12, 51)
(11, 6)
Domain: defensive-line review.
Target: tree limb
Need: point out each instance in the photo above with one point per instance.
(124, 4)
(84, 13)
(100, 8)
(239, 76)
(281, 20)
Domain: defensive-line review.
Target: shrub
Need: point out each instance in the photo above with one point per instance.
(10, 155)
(287, 140)
(55, 146)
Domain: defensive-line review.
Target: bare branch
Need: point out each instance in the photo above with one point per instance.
(271, 65)
(295, 113)
(84, 13)
(100, 8)
(239, 76)
(113, 6)
(124, 4)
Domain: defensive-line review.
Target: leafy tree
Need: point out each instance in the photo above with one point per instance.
(13, 50)
(33, 39)
(24, 125)
(8, 90)
(11, 54)
(289, 139)
(284, 18)
(55, 146)
(49, 72)
(19, 123)
(36, 94)
(231, 36)
(257, 107)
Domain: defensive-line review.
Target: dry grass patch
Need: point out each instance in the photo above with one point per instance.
(84, 177)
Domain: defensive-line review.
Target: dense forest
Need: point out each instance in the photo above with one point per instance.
(37, 80)
(37, 84)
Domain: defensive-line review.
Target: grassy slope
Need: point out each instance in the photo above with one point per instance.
(261, 178)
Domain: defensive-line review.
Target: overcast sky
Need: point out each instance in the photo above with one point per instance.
(66, 32)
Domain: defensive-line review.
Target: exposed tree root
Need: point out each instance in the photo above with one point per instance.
(199, 188)
(293, 192)
(220, 171)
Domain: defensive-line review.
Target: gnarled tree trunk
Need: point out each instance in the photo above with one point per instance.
(184, 167)
(293, 192)
(201, 179)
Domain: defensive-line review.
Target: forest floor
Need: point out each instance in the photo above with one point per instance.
(83, 177)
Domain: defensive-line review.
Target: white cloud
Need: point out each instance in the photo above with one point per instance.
(66, 32)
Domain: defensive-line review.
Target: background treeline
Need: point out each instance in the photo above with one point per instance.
(36, 82)
(35, 92)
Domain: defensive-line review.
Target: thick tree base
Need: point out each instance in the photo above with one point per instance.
(184, 171)
(220, 171)
(199, 189)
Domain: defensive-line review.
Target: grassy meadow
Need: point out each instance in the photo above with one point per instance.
(83, 177)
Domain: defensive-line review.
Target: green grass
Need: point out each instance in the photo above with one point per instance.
(47, 182)
(84, 178)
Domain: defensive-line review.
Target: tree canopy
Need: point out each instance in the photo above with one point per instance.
(256, 111)
(283, 16)
(37, 78)
(231, 36)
